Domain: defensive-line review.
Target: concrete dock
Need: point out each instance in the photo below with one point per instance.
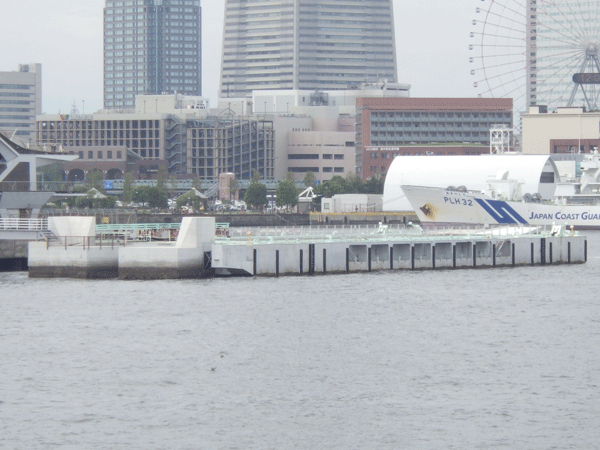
(202, 249)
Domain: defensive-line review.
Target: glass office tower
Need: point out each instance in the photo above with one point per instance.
(151, 47)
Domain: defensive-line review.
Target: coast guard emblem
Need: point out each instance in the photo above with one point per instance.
(429, 210)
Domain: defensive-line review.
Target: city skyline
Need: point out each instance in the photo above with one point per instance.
(66, 38)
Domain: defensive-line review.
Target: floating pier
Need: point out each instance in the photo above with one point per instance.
(203, 248)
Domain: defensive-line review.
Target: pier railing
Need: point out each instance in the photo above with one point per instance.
(24, 224)
(257, 235)
(127, 234)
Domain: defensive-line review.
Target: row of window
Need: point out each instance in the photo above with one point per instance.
(314, 156)
(14, 102)
(14, 94)
(100, 155)
(422, 114)
(16, 125)
(100, 124)
(315, 169)
(15, 86)
(136, 31)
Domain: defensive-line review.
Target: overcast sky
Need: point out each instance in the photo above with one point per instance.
(65, 36)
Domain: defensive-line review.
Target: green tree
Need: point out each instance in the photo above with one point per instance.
(287, 193)
(154, 197)
(52, 176)
(374, 186)
(95, 179)
(128, 188)
(234, 185)
(197, 183)
(256, 176)
(90, 202)
(309, 179)
(329, 188)
(256, 195)
(161, 178)
(355, 184)
(190, 198)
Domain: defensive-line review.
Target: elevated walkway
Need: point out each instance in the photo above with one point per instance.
(24, 229)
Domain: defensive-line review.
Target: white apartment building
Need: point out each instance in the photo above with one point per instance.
(20, 101)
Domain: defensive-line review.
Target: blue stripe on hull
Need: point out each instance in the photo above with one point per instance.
(501, 211)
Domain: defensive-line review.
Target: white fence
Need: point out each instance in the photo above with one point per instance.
(24, 224)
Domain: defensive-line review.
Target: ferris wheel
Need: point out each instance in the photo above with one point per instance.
(536, 51)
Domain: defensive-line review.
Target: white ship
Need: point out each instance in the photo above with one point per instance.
(576, 203)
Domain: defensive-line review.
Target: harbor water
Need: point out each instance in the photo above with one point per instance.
(451, 359)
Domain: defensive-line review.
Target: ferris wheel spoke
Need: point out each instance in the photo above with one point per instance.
(565, 56)
(500, 76)
(495, 37)
(515, 7)
(567, 35)
(507, 63)
(508, 89)
(559, 17)
(511, 61)
(560, 65)
(585, 30)
(515, 25)
(554, 86)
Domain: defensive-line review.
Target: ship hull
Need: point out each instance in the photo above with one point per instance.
(443, 206)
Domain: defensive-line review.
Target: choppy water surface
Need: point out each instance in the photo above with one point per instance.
(497, 358)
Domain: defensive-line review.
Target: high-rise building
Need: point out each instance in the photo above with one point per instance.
(151, 47)
(306, 44)
(20, 101)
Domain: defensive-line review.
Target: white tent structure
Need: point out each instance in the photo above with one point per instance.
(537, 173)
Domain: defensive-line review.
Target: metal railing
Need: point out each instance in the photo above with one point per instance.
(381, 232)
(24, 224)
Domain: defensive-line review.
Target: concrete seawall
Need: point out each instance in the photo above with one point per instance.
(13, 254)
(412, 254)
(198, 253)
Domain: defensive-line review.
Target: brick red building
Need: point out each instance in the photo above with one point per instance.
(390, 127)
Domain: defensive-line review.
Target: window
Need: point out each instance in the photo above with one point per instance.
(80, 155)
(373, 155)
(338, 169)
(99, 154)
(119, 154)
(303, 169)
(327, 156)
(339, 156)
(303, 156)
(547, 177)
(109, 154)
(90, 155)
